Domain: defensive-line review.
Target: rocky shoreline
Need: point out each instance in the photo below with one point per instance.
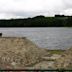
(21, 53)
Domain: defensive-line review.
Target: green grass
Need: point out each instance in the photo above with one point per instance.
(55, 51)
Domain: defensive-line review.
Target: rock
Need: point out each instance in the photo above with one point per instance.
(18, 52)
(65, 61)
(43, 65)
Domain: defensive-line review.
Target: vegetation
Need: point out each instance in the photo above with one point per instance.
(39, 21)
(56, 51)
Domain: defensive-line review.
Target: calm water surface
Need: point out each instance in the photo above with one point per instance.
(52, 38)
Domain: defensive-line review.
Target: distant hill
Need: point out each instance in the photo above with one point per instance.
(39, 21)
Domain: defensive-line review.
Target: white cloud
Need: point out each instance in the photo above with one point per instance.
(67, 12)
(8, 16)
(29, 5)
(29, 8)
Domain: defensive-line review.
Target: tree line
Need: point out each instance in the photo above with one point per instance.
(39, 21)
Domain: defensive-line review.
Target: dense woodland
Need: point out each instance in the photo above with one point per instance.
(39, 21)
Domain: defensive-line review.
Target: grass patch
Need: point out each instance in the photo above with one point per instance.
(55, 51)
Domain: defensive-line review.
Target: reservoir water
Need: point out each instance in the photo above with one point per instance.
(51, 38)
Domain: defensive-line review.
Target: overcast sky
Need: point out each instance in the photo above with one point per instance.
(31, 8)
